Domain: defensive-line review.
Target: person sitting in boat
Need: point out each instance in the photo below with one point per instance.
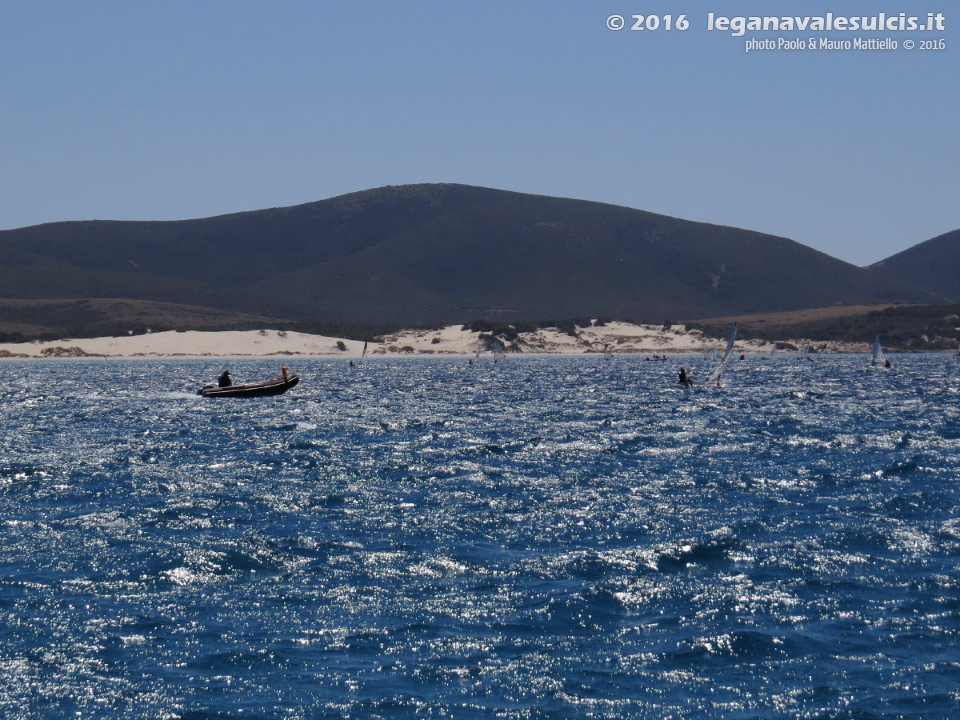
(684, 380)
(224, 380)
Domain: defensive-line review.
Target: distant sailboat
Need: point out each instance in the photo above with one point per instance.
(715, 375)
(359, 359)
(878, 357)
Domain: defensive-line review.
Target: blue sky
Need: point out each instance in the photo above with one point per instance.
(169, 109)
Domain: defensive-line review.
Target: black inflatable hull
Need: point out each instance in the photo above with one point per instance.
(273, 386)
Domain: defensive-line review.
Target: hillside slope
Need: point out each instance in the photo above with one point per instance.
(933, 265)
(433, 254)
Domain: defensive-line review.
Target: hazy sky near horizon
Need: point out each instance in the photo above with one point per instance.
(171, 109)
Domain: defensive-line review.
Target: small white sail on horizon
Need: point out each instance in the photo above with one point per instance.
(878, 357)
(715, 375)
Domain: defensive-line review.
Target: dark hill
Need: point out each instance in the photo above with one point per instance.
(933, 265)
(432, 254)
(910, 328)
(56, 319)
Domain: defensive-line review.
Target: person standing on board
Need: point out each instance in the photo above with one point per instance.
(684, 380)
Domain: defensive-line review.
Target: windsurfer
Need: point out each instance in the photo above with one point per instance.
(684, 380)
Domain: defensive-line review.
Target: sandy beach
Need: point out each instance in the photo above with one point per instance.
(619, 338)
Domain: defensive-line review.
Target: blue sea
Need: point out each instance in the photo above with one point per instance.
(425, 538)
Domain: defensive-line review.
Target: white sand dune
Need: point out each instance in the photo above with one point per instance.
(621, 338)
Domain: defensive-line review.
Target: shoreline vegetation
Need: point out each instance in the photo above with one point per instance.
(616, 338)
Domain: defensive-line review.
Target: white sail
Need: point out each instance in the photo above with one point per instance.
(878, 357)
(715, 375)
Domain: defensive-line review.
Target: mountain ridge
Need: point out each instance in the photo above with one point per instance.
(934, 263)
(432, 254)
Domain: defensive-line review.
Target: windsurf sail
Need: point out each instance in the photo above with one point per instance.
(715, 375)
(878, 357)
(364, 353)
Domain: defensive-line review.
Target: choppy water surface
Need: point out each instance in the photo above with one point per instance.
(547, 538)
